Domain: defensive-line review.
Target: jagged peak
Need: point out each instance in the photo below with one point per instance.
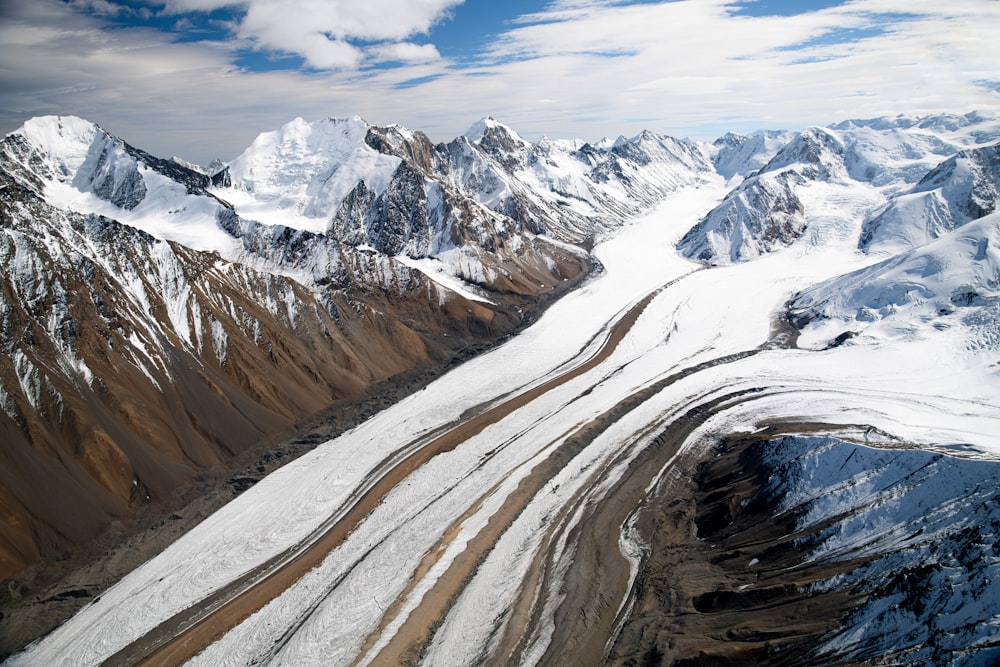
(401, 131)
(607, 143)
(489, 125)
(730, 139)
(645, 135)
(813, 145)
(396, 138)
(650, 140)
(478, 129)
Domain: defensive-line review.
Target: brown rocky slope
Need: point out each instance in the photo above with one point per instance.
(133, 364)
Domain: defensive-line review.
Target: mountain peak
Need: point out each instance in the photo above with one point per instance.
(478, 129)
(299, 132)
(307, 168)
(730, 140)
(489, 125)
(63, 138)
(815, 147)
(645, 135)
(607, 143)
(48, 128)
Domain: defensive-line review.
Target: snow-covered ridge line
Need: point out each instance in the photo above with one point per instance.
(792, 181)
(303, 173)
(82, 169)
(960, 189)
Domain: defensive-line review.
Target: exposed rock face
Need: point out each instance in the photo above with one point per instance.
(130, 364)
(815, 551)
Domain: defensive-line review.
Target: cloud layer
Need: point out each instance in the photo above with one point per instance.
(583, 68)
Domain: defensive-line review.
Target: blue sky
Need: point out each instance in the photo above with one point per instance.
(201, 78)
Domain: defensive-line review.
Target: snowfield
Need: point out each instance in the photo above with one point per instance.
(706, 333)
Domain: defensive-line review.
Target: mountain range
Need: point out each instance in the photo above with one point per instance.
(158, 319)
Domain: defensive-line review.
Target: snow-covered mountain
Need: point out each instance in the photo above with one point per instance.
(962, 188)
(765, 211)
(916, 537)
(950, 284)
(306, 175)
(742, 155)
(828, 180)
(132, 363)
(573, 190)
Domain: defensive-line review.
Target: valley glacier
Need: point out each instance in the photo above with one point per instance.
(472, 556)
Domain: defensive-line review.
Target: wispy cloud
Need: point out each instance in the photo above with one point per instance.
(577, 68)
(687, 62)
(325, 32)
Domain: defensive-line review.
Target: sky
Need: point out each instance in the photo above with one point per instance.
(200, 79)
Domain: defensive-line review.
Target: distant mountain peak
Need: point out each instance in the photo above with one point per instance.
(813, 146)
(488, 128)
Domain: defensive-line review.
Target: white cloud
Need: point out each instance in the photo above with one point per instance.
(405, 52)
(320, 31)
(688, 68)
(678, 64)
